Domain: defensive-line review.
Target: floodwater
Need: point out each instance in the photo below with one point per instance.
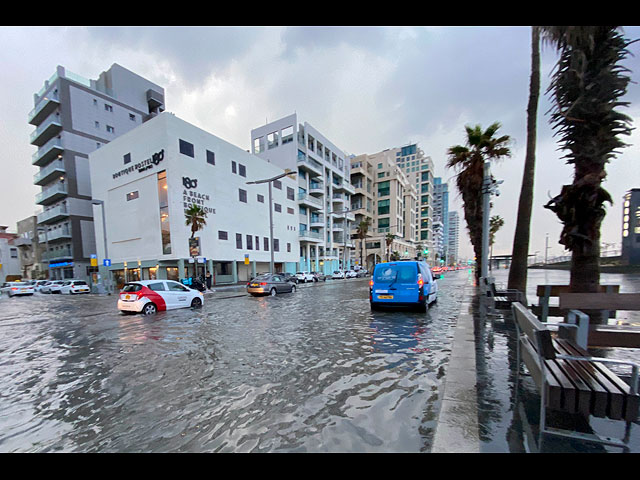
(313, 371)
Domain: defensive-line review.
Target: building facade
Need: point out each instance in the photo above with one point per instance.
(631, 227)
(441, 214)
(150, 176)
(30, 250)
(454, 238)
(9, 256)
(73, 117)
(323, 190)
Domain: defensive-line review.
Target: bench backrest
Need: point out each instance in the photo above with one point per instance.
(600, 301)
(536, 331)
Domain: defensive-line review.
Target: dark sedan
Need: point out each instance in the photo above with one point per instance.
(270, 285)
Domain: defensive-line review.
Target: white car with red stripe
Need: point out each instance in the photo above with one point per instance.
(151, 296)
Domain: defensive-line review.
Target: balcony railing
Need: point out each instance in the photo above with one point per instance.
(51, 194)
(53, 214)
(45, 106)
(47, 152)
(308, 234)
(51, 126)
(46, 174)
(308, 199)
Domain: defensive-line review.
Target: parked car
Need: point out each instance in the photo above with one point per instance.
(319, 276)
(16, 288)
(53, 287)
(402, 284)
(337, 274)
(305, 277)
(152, 296)
(38, 284)
(363, 272)
(73, 287)
(290, 277)
(351, 274)
(270, 285)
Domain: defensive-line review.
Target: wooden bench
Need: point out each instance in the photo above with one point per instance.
(546, 292)
(572, 381)
(606, 335)
(502, 299)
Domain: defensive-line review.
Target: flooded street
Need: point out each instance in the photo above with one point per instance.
(313, 371)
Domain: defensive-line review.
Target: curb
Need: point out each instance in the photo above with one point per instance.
(457, 425)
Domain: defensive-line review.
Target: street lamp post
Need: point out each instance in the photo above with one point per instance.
(344, 251)
(269, 181)
(107, 285)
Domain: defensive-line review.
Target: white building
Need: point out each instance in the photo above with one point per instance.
(9, 257)
(454, 237)
(323, 190)
(149, 176)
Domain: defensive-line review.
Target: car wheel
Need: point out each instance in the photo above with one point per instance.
(422, 307)
(149, 309)
(273, 292)
(196, 302)
(293, 289)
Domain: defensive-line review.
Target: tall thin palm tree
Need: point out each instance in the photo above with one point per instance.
(196, 217)
(520, 251)
(469, 160)
(362, 231)
(389, 238)
(586, 87)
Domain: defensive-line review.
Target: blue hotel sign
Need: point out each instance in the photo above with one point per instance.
(61, 264)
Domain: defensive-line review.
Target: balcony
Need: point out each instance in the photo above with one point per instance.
(22, 242)
(309, 236)
(316, 188)
(53, 214)
(58, 255)
(51, 194)
(44, 108)
(57, 234)
(49, 128)
(309, 201)
(48, 173)
(316, 222)
(313, 167)
(47, 152)
(339, 198)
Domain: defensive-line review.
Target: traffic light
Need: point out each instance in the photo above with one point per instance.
(426, 251)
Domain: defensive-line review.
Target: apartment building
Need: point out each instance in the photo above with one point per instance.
(362, 202)
(454, 238)
(393, 206)
(419, 170)
(441, 215)
(324, 190)
(147, 179)
(73, 117)
(30, 250)
(9, 256)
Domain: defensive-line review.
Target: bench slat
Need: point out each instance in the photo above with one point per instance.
(530, 358)
(556, 290)
(600, 301)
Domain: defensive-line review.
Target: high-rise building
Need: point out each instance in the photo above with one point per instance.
(362, 202)
(73, 117)
(441, 212)
(324, 189)
(454, 238)
(631, 227)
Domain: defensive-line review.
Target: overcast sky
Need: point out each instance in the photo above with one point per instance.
(364, 88)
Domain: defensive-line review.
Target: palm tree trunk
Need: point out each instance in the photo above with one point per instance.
(520, 251)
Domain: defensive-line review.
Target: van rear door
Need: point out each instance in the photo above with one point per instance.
(395, 283)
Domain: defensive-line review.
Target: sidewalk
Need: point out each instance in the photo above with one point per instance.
(457, 428)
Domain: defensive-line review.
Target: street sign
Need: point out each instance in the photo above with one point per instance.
(106, 262)
(246, 259)
(94, 260)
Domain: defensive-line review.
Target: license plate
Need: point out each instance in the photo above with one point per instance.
(385, 297)
(127, 297)
(254, 284)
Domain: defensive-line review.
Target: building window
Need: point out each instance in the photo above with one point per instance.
(257, 242)
(384, 207)
(266, 244)
(290, 210)
(96, 124)
(258, 145)
(163, 201)
(249, 242)
(277, 207)
(277, 184)
(242, 170)
(222, 235)
(272, 140)
(110, 129)
(242, 195)
(186, 148)
(132, 196)
(127, 158)
(108, 108)
(211, 158)
(233, 167)
(239, 241)
(276, 245)
(132, 117)
(288, 247)
(291, 193)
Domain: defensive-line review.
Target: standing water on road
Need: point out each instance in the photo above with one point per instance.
(313, 371)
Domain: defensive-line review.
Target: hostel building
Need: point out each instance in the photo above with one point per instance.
(149, 176)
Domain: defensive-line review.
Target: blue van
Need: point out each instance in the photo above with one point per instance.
(402, 284)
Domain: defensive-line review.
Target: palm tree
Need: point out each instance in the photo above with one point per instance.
(495, 223)
(390, 237)
(362, 231)
(586, 85)
(196, 217)
(469, 160)
(520, 251)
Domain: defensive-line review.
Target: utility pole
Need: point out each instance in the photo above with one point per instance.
(489, 187)
(546, 248)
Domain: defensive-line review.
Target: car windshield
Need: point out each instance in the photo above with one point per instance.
(263, 277)
(81, 282)
(396, 273)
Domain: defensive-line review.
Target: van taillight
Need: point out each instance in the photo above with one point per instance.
(371, 283)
